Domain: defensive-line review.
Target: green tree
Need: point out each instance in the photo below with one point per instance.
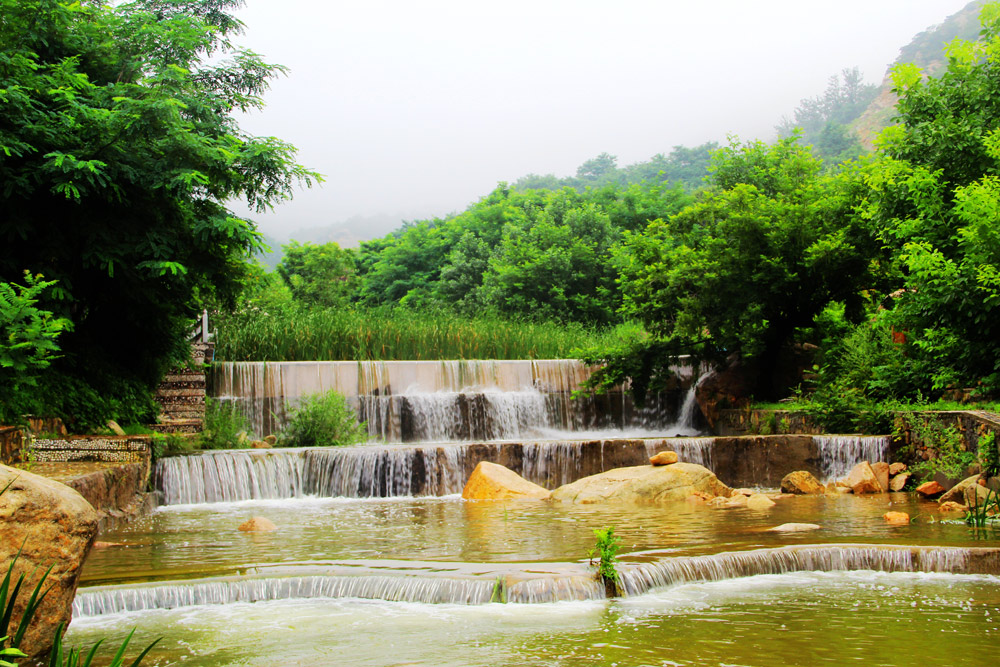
(319, 275)
(935, 199)
(119, 153)
(28, 345)
(736, 274)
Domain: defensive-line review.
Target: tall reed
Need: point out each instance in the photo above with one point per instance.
(343, 334)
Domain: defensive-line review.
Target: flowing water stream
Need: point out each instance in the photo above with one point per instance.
(376, 560)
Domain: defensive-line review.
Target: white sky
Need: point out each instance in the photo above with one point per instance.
(418, 108)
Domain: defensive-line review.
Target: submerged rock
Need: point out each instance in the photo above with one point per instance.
(663, 458)
(258, 524)
(759, 501)
(795, 528)
(490, 481)
(862, 479)
(643, 484)
(801, 482)
(57, 528)
(952, 506)
(896, 517)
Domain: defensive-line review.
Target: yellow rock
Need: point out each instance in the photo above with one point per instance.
(663, 458)
(644, 484)
(490, 481)
(896, 517)
(257, 524)
(759, 501)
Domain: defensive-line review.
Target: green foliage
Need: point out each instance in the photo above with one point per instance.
(225, 426)
(119, 154)
(934, 200)
(989, 453)
(754, 260)
(607, 550)
(322, 420)
(824, 120)
(395, 334)
(171, 444)
(949, 455)
(28, 337)
(535, 253)
(319, 275)
(76, 658)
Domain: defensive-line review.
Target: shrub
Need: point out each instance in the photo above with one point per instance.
(323, 419)
(225, 426)
(607, 549)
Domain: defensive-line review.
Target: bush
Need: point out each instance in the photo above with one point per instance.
(323, 419)
(225, 426)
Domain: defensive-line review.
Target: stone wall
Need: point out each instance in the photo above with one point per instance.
(11, 442)
(765, 422)
(107, 449)
(972, 424)
(118, 493)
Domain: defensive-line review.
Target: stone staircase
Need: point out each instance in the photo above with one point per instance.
(181, 396)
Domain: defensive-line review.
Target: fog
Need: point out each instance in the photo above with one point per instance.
(417, 109)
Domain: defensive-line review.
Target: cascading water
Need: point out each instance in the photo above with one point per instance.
(636, 579)
(839, 453)
(441, 400)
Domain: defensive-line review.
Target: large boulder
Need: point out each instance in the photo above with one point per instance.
(957, 493)
(490, 481)
(881, 470)
(56, 527)
(643, 484)
(862, 479)
(801, 482)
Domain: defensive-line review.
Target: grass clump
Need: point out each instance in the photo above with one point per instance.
(606, 550)
(323, 419)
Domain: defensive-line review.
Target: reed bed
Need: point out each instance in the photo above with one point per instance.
(344, 334)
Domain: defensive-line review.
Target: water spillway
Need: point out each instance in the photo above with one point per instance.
(461, 400)
(380, 471)
(636, 579)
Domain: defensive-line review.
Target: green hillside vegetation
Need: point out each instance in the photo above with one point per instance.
(879, 271)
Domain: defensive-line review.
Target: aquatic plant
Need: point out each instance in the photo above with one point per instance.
(323, 419)
(607, 550)
(979, 513)
(74, 656)
(499, 593)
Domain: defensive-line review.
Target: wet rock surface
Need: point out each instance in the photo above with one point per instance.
(56, 527)
(644, 484)
(490, 481)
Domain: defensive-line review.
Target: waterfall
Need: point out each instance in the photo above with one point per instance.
(839, 453)
(435, 400)
(228, 476)
(829, 558)
(379, 471)
(636, 579)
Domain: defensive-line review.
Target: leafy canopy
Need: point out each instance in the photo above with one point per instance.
(119, 153)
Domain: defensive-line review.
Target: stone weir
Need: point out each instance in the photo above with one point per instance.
(407, 401)
(435, 470)
(533, 585)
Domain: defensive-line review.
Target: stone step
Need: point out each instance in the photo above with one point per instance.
(179, 426)
(177, 376)
(180, 413)
(180, 392)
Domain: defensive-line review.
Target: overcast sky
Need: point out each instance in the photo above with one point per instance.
(418, 108)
